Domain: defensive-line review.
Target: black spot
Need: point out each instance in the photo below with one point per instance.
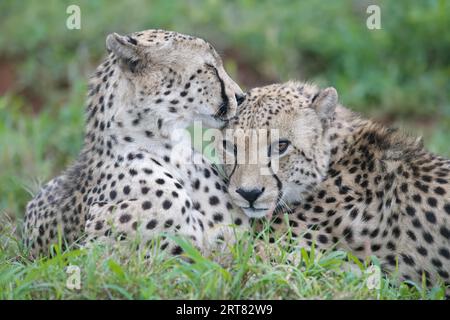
(396, 232)
(391, 260)
(177, 250)
(404, 188)
(318, 209)
(217, 217)
(330, 200)
(447, 208)
(436, 262)
(338, 221)
(439, 190)
(348, 234)
(445, 253)
(408, 260)
(98, 225)
(411, 235)
(422, 251)
(354, 213)
(146, 205)
(391, 246)
(160, 181)
(148, 171)
(168, 223)
(113, 194)
(430, 217)
(167, 204)
(196, 184)
(432, 202)
(213, 200)
(416, 223)
(445, 232)
(323, 239)
(152, 224)
(125, 218)
(410, 211)
(428, 237)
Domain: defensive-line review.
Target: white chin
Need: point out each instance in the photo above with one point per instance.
(251, 213)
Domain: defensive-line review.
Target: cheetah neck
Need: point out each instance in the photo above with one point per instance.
(373, 158)
(114, 126)
(351, 135)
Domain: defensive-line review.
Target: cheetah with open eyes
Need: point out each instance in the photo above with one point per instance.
(135, 173)
(346, 182)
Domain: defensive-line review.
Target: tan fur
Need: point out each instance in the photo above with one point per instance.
(348, 182)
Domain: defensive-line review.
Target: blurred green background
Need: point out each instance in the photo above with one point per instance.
(399, 74)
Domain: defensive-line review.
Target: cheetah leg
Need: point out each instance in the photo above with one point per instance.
(140, 221)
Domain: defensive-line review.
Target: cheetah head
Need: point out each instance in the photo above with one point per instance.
(276, 151)
(170, 77)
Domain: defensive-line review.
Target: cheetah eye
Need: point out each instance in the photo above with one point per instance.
(278, 148)
(283, 145)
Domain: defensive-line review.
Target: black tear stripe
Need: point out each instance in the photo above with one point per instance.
(279, 185)
(235, 162)
(223, 109)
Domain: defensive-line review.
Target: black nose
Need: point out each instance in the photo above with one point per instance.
(240, 98)
(250, 195)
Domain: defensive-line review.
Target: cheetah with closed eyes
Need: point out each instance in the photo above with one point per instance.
(344, 181)
(137, 172)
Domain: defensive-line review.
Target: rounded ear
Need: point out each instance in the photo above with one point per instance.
(325, 103)
(125, 48)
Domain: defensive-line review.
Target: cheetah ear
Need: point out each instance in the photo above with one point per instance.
(325, 103)
(125, 48)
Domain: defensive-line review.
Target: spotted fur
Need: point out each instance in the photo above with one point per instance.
(135, 173)
(346, 182)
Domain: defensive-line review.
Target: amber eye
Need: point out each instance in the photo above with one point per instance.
(278, 148)
(283, 145)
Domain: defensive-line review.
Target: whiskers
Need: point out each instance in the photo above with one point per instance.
(282, 206)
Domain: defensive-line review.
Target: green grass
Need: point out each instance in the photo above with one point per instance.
(35, 147)
(110, 272)
(398, 74)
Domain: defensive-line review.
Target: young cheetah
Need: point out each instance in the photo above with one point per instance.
(345, 181)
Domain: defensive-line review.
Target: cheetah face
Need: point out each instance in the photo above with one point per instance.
(175, 77)
(277, 150)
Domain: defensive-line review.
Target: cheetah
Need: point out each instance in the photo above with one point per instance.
(345, 182)
(136, 172)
